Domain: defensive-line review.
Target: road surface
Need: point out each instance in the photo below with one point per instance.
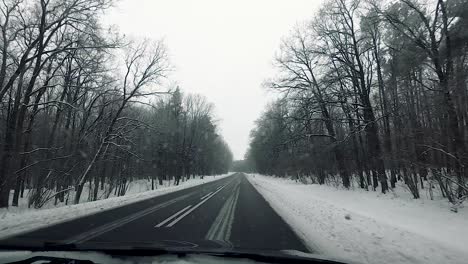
(226, 213)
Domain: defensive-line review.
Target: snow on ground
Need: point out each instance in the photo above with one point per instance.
(15, 220)
(135, 186)
(369, 227)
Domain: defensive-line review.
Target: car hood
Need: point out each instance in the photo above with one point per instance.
(101, 251)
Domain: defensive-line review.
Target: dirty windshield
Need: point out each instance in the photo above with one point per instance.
(329, 129)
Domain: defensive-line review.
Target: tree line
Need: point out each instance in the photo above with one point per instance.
(371, 93)
(80, 104)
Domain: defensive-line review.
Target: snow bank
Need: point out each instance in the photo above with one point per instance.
(369, 227)
(135, 186)
(15, 220)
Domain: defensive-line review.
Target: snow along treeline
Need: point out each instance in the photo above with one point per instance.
(369, 227)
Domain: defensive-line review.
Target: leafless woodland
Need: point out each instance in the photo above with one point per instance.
(372, 93)
(81, 104)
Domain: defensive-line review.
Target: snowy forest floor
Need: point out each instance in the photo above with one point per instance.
(369, 227)
(15, 220)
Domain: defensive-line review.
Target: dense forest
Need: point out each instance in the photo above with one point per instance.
(371, 94)
(80, 104)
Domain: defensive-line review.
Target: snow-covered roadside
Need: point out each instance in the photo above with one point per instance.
(18, 220)
(366, 226)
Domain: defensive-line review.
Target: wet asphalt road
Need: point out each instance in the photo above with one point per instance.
(226, 213)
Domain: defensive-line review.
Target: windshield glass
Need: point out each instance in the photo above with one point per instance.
(335, 129)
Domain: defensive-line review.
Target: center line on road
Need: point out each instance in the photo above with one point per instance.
(173, 216)
(220, 230)
(194, 207)
(205, 196)
(92, 233)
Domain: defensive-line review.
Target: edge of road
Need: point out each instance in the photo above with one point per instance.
(301, 236)
(114, 207)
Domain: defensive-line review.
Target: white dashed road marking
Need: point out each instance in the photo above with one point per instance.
(173, 216)
(194, 207)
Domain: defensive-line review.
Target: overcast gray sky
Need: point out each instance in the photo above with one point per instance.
(220, 49)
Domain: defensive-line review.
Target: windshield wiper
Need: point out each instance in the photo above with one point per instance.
(51, 260)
